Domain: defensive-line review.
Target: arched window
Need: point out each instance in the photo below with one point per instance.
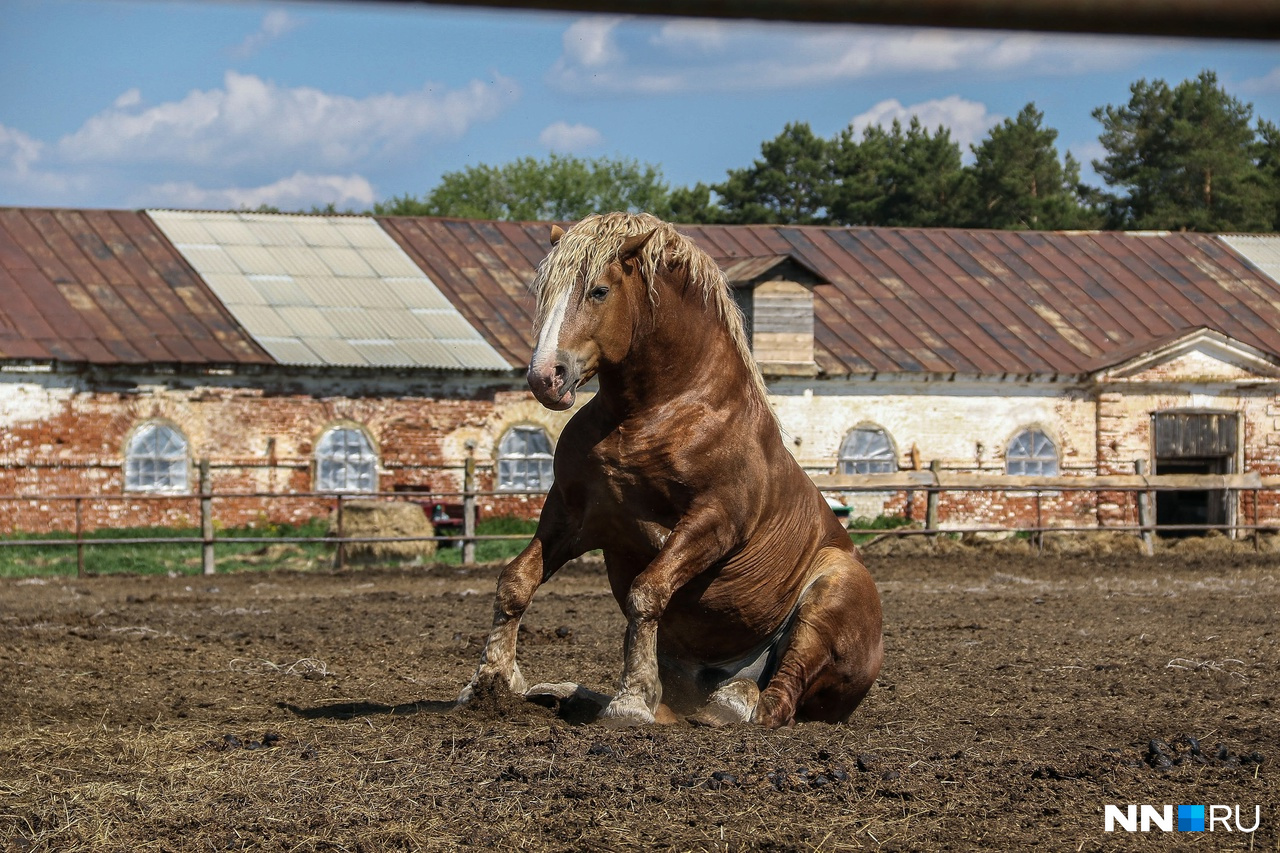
(1031, 452)
(346, 462)
(524, 459)
(156, 460)
(867, 450)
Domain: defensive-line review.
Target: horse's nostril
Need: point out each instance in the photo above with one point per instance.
(561, 371)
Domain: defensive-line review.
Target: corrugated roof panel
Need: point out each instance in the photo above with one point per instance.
(235, 289)
(378, 293)
(329, 288)
(281, 290)
(383, 353)
(188, 230)
(266, 323)
(389, 262)
(227, 229)
(256, 260)
(345, 262)
(445, 355)
(274, 230)
(290, 350)
(419, 298)
(358, 233)
(1261, 250)
(307, 321)
(354, 323)
(301, 261)
(315, 231)
(336, 351)
(209, 259)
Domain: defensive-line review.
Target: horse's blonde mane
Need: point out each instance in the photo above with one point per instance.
(588, 247)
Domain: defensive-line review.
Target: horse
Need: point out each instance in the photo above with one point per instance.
(745, 599)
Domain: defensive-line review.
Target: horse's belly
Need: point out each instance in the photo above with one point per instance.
(725, 622)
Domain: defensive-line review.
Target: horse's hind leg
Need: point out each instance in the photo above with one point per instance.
(834, 650)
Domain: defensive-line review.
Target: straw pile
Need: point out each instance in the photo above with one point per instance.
(384, 519)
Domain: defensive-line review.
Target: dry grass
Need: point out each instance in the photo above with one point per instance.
(370, 518)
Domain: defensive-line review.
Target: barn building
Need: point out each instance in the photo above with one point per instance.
(302, 354)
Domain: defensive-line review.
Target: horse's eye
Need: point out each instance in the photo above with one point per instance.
(599, 293)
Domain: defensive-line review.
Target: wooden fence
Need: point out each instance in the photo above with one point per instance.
(933, 482)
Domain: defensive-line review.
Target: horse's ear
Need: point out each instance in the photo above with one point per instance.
(556, 233)
(634, 244)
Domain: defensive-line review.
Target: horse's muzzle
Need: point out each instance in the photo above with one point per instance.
(555, 384)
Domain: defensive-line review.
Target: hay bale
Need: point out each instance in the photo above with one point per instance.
(361, 518)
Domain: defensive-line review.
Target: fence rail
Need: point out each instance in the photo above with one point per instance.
(933, 482)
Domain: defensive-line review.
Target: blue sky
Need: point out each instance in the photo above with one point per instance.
(111, 103)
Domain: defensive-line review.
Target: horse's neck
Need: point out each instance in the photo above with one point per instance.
(685, 352)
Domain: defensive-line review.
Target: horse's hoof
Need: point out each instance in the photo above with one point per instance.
(735, 702)
(773, 713)
(626, 711)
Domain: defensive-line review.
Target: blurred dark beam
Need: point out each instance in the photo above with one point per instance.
(1235, 19)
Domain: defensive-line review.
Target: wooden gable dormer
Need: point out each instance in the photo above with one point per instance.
(775, 294)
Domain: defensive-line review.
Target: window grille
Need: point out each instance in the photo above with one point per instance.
(525, 461)
(345, 462)
(1032, 453)
(156, 460)
(867, 450)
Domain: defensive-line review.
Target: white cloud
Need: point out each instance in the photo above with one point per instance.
(968, 120)
(703, 35)
(297, 192)
(636, 56)
(275, 23)
(251, 121)
(24, 172)
(589, 42)
(18, 151)
(570, 138)
(127, 99)
(1265, 84)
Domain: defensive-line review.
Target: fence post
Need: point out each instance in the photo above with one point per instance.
(1257, 545)
(80, 538)
(931, 498)
(206, 519)
(469, 511)
(1039, 526)
(340, 558)
(1144, 511)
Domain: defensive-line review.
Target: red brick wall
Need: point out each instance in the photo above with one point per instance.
(258, 435)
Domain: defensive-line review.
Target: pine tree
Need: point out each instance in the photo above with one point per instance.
(788, 185)
(1020, 182)
(1183, 158)
(906, 178)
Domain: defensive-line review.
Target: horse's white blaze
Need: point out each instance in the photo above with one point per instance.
(549, 334)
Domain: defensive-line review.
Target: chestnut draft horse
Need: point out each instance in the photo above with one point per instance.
(745, 599)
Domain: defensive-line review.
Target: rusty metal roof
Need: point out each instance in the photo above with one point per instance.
(326, 290)
(105, 287)
(901, 300)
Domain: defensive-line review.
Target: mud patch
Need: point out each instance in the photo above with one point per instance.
(314, 711)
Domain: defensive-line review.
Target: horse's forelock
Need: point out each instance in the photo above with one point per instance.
(588, 247)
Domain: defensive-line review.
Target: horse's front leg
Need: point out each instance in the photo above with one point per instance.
(552, 546)
(697, 542)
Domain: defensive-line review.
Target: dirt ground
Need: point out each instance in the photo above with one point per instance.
(311, 711)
